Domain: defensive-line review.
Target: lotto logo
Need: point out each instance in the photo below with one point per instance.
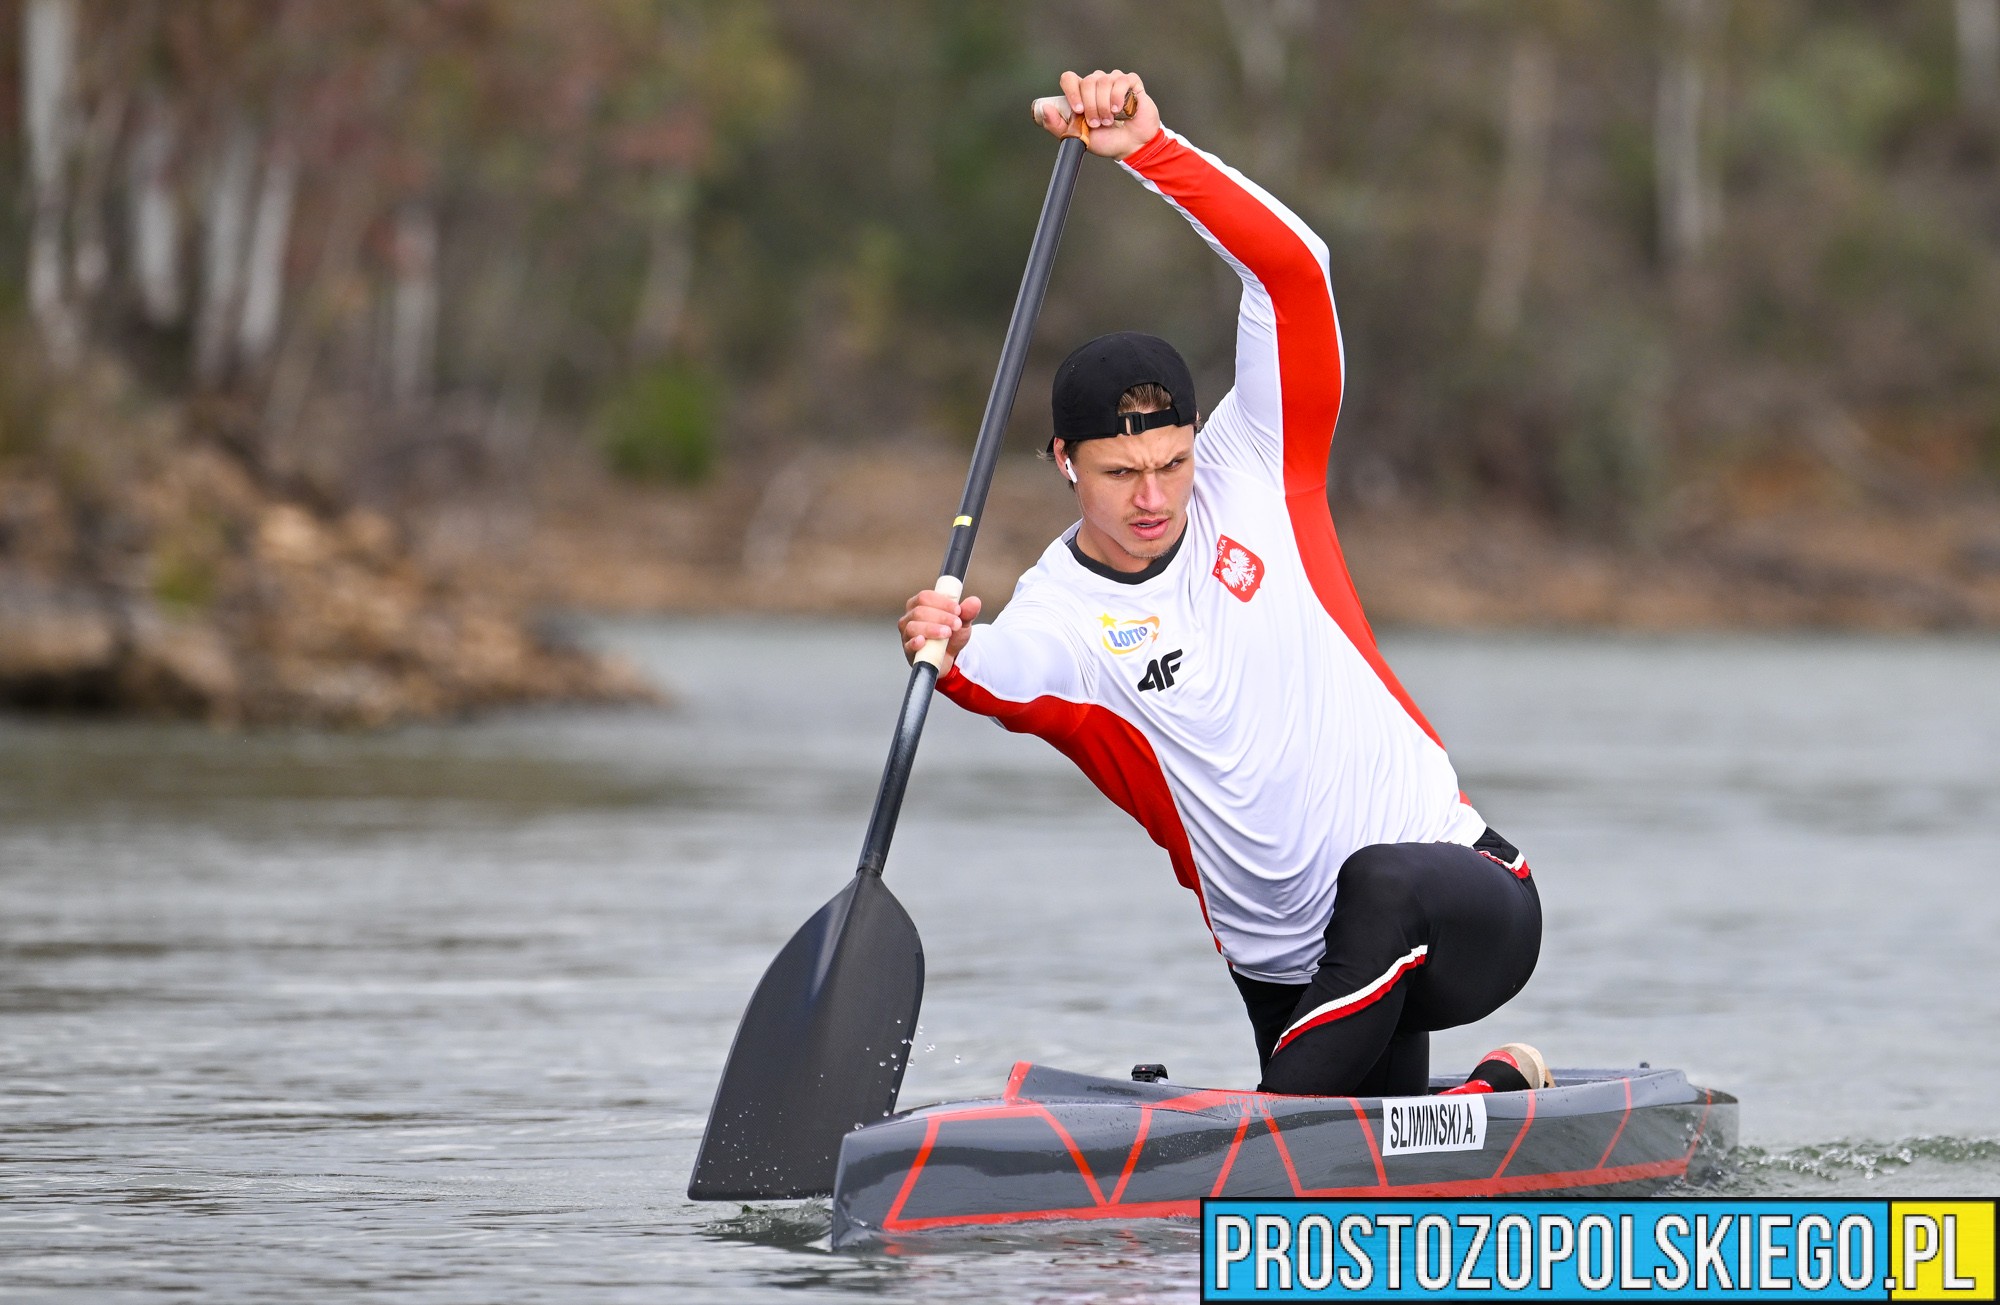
(1239, 569)
(1127, 636)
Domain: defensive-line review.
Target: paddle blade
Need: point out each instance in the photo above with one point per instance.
(821, 1049)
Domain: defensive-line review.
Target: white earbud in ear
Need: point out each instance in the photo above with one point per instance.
(1069, 469)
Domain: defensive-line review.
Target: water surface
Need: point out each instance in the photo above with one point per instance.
(436, 1014)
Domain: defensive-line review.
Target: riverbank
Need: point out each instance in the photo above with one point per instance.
(856, 534)
(163, 575)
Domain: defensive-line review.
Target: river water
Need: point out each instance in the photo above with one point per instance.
(436, 1014)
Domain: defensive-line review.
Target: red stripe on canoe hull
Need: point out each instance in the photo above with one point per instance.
(1500, 1183)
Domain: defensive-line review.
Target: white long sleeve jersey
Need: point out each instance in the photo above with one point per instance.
(1232, 698)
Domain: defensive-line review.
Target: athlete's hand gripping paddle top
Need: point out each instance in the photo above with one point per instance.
(1113, 106)
(1194, 644)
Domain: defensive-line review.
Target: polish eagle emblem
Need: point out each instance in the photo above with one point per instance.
(1239, 569)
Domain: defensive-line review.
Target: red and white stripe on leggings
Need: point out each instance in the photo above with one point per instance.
(1341, 1007)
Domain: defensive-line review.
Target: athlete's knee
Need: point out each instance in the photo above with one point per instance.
(1374, 876)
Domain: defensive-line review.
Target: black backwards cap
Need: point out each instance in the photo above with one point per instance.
(1094, 377)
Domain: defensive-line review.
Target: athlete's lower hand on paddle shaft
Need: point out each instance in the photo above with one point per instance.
(930, 615)
(1098, 100)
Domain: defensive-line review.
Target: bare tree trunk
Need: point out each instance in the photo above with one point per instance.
(1263, 31)
(228, 220)
(292, 374)
(1524, 176)
(153, 215)
(1686, 215)
(517, 414)
(90, 257)
(264, 272)
(1979, 55)
(492, 297)
(669, 270)
(48, 87)
(413, 305)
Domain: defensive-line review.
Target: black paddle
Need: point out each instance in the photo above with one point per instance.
(824, 1043)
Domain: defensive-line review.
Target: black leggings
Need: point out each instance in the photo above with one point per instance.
(1423, 936)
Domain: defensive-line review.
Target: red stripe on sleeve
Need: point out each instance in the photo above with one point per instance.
(1112, 754)
(1308, 368)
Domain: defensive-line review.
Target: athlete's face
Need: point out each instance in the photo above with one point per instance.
(1133, 491)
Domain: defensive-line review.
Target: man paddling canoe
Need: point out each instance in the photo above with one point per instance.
(1195, 646)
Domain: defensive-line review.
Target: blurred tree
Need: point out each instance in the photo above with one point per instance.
(382, 245)
(1523, 178)
(49, 54)
(1687, 208)
(1978, 24)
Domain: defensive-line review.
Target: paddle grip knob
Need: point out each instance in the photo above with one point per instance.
(1076, 126)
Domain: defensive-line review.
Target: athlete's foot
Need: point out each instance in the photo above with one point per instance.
(1515, 1067)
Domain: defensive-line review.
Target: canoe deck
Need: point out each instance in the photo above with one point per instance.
(1058, 1145)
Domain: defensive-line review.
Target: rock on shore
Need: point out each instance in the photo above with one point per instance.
(180, 586)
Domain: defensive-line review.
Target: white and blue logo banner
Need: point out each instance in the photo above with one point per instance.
(1685, 1249)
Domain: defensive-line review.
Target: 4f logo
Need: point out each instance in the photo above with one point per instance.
(1160, 672)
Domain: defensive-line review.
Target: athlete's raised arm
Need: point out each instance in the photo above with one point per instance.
(1289, 362)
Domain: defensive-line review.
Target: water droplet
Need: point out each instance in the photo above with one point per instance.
(930, 1046)
(958, 1060)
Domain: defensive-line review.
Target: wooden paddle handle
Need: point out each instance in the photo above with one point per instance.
(933, 650)
(1077, 126)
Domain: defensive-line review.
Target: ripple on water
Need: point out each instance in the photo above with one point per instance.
(1918, 1166)
(802, 1224)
